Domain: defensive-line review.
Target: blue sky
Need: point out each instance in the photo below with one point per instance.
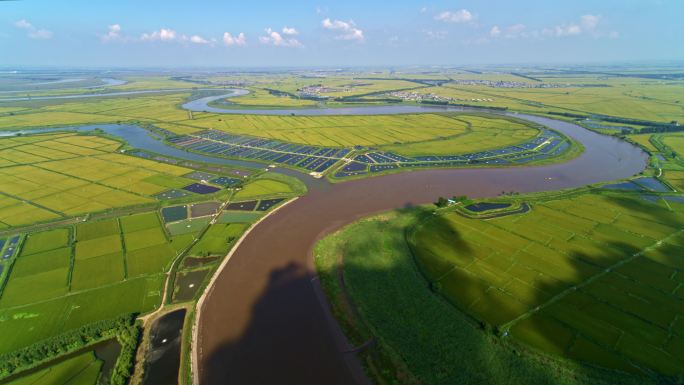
(337, 33)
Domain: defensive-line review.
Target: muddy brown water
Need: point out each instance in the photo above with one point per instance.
(263, 322)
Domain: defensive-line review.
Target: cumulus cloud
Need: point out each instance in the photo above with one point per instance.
(274, 38)
(495, 31)
(238, 40)
(460, 16)
(197, 39)
(164, 34)
(170, 35)
(589, 22)
(33, 32)
(346, 30)
(586, 24)
(290, 31)
(113, 33)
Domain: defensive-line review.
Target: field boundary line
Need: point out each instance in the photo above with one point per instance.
(195, 351)
(505, 327)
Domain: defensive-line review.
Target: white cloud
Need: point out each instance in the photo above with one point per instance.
(423, 10)
(164, 34)
(169, 35)
(495, 31)
(566, 30)
(113, 33)
(346, 30)
(436, 35)
(290, 31)
(33, 32)
(274, 38)
(460, 16)
(231, 40)
(23, 24)
(197, 39)
(587, 24)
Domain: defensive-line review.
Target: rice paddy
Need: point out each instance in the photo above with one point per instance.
(68, 276)
(59, 175)
(593, 277)
(555, 279)
(80, 370)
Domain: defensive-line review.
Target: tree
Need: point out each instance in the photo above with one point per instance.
(441, 202)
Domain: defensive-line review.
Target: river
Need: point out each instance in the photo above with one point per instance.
(264, 321)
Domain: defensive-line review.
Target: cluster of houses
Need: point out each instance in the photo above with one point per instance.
(512, 84)
(411, 96)
(316, 91)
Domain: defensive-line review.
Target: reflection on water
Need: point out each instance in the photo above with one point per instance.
(162, 360)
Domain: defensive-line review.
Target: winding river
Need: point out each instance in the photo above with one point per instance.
(264, 320)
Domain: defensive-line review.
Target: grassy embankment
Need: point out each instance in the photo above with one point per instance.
(510, 298)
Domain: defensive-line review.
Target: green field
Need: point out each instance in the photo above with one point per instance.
(218, 239)
(556, 278)
(419, 336)
(54, 279)
(262, 98)
(270, 185)
(622, 97)
(238, 217)
(83, 369)
(669, 150)
(23, 325)
(586, 288)
(263, 187)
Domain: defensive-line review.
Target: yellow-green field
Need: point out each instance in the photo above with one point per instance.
(623, 98)
(482, 133)
(55, 175)
(644, 140)
(262, 98)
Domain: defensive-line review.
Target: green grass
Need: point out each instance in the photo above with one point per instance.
(263, 187)
(97, 271)
(91, 230)
(83, 369)
(30, 264)
(420, 336)
(37, 277)
(21, 326)
(187, 226)
(50, 292)
(262, 98)
(150, 260)
(37, 287)
(144, 238)
(238, 217)
(45, 240)
(541, 274)
(180, 242)
(218, 239)
(137, 222)
(95, 247)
